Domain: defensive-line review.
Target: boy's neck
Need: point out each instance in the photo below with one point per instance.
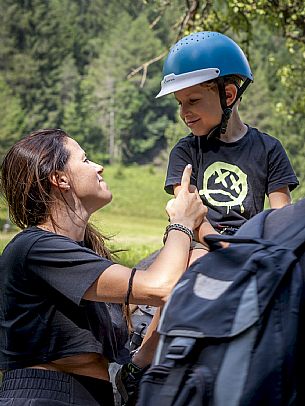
(236, 129)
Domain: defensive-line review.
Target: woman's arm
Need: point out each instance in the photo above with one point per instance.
(149, 287)
(153, 286)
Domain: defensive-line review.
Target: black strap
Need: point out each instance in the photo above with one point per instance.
(241, 90)
(227, 110)
(222, 93)
(172, 385)
(200, 163)
(178, 352)
(130, 282)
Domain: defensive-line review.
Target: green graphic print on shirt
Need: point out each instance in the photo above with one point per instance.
(224, 185)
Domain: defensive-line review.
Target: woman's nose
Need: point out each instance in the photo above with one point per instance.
(98, 167)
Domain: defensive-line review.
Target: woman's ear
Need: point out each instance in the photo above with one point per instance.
(231, 93)
(60, 180)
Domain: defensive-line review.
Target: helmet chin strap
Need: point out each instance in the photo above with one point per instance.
(221, 128)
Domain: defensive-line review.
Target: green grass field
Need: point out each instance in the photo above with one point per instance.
(135, 219)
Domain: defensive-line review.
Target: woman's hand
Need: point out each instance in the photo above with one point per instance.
(187, 208)
(154, 285)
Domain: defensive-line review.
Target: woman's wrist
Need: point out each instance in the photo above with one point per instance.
(184, 222)
(178, 227)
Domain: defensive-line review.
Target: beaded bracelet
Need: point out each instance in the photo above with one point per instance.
(179, 227)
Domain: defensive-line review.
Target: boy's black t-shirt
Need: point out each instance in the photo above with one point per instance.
(42, 314)
(232, 178)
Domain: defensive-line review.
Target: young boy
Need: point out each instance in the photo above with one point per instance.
(234, 165)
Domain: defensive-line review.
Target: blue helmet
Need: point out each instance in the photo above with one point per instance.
(200, 57)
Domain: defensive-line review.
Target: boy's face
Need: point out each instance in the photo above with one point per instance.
(200, 107)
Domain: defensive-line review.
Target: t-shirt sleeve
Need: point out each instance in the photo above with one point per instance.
(179, 157)
(280, 172)
(65, 265)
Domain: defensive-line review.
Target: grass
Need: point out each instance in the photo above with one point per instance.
(135, 219)
(137, 236)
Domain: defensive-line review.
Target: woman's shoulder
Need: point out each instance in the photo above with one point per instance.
(17, 250)
(24, 239)
(34, 238)
(34, 234)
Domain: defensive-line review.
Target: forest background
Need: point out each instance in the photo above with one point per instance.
(93, 68)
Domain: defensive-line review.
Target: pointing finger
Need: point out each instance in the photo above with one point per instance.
(186, 177)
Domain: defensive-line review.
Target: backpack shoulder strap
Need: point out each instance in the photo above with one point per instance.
(251, 232)
(286, 226)
(255, 227)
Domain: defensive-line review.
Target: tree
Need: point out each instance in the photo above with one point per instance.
(39, 43)
(12, 119)
(139, 122)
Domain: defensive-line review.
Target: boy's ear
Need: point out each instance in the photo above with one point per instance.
(60, 180)
(231, 93)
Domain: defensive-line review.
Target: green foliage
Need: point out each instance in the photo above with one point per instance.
(138, 124)
(12, 120)
(32, 66)
(86, 66)
(256, 108)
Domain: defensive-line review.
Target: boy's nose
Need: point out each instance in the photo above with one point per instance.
(184, 110)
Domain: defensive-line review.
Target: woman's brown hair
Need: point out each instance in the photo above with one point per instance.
(25, 181)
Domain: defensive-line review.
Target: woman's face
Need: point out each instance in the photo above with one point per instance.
(85, 179)
(200, 107)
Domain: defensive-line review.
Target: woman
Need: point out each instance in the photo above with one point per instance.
(60, 322)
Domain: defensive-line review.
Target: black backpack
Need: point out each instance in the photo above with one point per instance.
(232, 331)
